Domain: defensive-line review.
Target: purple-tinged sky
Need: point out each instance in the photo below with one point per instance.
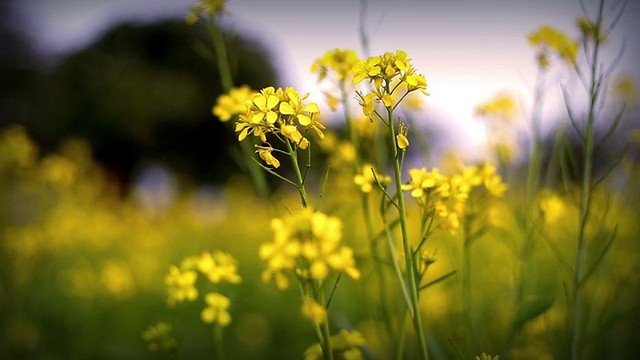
(468, 50)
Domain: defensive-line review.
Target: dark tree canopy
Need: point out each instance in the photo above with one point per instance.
(140, 94)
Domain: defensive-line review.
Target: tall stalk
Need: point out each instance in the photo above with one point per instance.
(226, 80)
(595, 82)
(408, 252)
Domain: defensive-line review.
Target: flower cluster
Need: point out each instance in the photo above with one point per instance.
(335, 66)
(388, 73)
(216, 310)
(553, 207)
(369, 177)
(159, 337)
(502, 108)
(338, 62)
(232, 104)
(306, 243)
(280, 112)
(207, 7)
(345, 344)
(217, 267)
(551, 41)
(447, 195)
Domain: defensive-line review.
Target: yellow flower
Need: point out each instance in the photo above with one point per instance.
(553, 207)
(265, 154)
(279, 111)
(345, 343)
(159, 337)
(549, 40)
(338, 62)
(401, 138)
(502, 107)
(218, 266)
(387, 74)
(216, 310)
(181, 285)
(306, 243)
(366, 178)
(232, 104)
(207, 7)
(313, 311)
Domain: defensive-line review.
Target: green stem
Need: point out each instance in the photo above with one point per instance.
(296, 168)
(226, 80)
(325, 339)
(585, 196)
(366, 210)
(408, 253)
(218, 342)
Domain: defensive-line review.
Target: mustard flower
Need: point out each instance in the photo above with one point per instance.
(548, 40)
(336, 62)
(219, 266)
(392, 77)
(552, 206)
(181, 285)
(306, 243)
(366, 179)
(159, 337)
(265, 154)
(279, 111)
(216, 310)
(492, 181)
(401, 138)
(232, 104)
(590, 31)
(346, 344)
(502, 107)
(313, 311)
(207, 7)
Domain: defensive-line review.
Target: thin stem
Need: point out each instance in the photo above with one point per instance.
(325, 339)
(296, 168)
(585, 197)
(408, 253)
(218, 342)
(226, 80)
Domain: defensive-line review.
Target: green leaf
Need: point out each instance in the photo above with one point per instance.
(531, 307)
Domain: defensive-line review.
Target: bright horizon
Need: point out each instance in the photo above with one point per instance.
(467, 50)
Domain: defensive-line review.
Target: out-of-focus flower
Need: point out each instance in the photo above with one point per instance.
(336, 62)
(367, 178)
(313, 311)
(181, 285)
(502, 108)
(232, 104)
(553, 207)
(159, 337)
(216, 310)
(345, 345)
(206, 7)
(486, 357)
(548, 40)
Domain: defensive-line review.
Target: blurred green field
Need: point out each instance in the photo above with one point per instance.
(501, 257)
(83, 269)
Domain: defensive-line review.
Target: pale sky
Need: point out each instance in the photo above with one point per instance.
(468, 50)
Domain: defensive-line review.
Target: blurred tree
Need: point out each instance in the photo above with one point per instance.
(143, 94)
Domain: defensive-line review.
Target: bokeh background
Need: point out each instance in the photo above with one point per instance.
(112, 166)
